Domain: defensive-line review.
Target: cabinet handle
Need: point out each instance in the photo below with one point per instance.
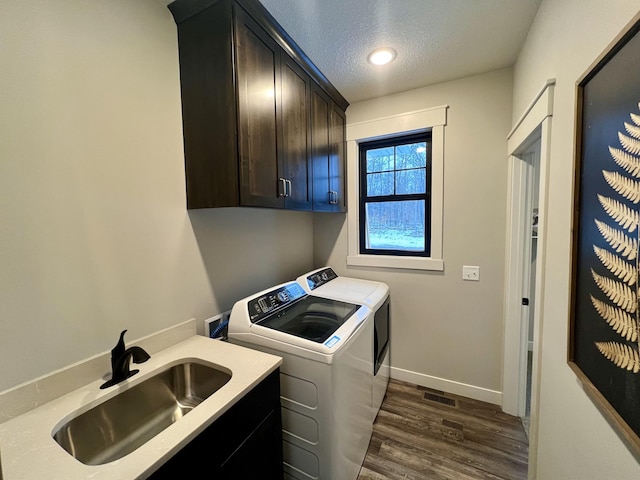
(288, 192)
(333, 197)
(283, 192)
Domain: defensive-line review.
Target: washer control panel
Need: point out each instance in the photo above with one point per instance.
(318, 279)
(268, 303)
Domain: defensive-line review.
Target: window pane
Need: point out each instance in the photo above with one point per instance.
(379, 184)
(395, 225)
(380, 160)
(413, 155)
(411, 181)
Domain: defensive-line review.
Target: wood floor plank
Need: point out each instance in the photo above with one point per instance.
(432, 416)
(421, 460)
(500, 423)
(366, 474)
(465, 453)
(428, 434)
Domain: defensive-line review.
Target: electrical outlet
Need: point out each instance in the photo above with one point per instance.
(471, 273)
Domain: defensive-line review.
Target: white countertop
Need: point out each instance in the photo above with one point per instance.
(29, 451)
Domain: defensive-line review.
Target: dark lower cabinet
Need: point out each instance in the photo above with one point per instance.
(255, 457)
(244, 443)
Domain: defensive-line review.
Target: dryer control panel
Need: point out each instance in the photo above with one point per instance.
(318, 279)
(268, 303)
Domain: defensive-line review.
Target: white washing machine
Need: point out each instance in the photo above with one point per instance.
(324, 381)
(324, 282)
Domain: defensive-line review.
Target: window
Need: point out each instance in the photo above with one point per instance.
(395, 188)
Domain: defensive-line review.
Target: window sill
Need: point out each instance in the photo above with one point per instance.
(388, 261)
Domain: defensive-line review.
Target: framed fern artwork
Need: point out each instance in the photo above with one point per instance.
(604, 338)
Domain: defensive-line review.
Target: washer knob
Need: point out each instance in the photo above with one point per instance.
(283, 297)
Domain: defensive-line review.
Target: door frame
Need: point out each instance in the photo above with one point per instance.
(525, 164)
(533, 125)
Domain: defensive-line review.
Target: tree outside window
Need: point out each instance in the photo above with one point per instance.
(395, 186)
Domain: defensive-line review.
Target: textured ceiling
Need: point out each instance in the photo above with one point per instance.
(436, 40)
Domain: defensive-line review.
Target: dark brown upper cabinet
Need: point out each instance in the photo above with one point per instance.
(296, 137)
(258, 88)
(338, 158)
(248, 112)
(328, 154)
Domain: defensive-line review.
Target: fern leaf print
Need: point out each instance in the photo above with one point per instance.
(625, 160)
(622, 355)
(629, 189)
(616, 265)
(630, 145)
(622, 322)
(619, 241)
(604, 335)
(620, 282)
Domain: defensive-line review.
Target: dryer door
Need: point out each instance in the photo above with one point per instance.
(381, 335)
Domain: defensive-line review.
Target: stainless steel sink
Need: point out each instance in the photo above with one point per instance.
(118, 426)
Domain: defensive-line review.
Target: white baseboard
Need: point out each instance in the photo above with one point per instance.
(449, 386)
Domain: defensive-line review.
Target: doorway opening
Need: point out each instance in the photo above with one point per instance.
(529, 154)
(529, 158)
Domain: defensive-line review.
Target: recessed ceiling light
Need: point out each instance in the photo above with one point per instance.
(382, 56)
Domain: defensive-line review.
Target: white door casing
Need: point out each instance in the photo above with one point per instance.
(533, 126)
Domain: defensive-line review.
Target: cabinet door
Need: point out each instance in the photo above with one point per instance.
(260, 454)
(208, 107)
(320, 105)
(246, 439)
(337, 160)
(328, 154)
(296, 161)
(257, 68)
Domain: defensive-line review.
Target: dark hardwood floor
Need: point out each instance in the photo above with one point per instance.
(427, 434)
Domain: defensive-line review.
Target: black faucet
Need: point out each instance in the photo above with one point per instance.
(120, 358)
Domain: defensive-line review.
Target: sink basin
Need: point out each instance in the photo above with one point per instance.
(117, 427)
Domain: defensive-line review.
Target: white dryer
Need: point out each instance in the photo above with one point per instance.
(324, 380)
(324, 282)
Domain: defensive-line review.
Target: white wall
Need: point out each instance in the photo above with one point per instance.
(95, 238)
(94, 234)
(575, 441)
(444, 327)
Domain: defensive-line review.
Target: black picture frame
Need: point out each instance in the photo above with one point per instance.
(604, 329)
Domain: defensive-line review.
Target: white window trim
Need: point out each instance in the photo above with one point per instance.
(431, 119)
